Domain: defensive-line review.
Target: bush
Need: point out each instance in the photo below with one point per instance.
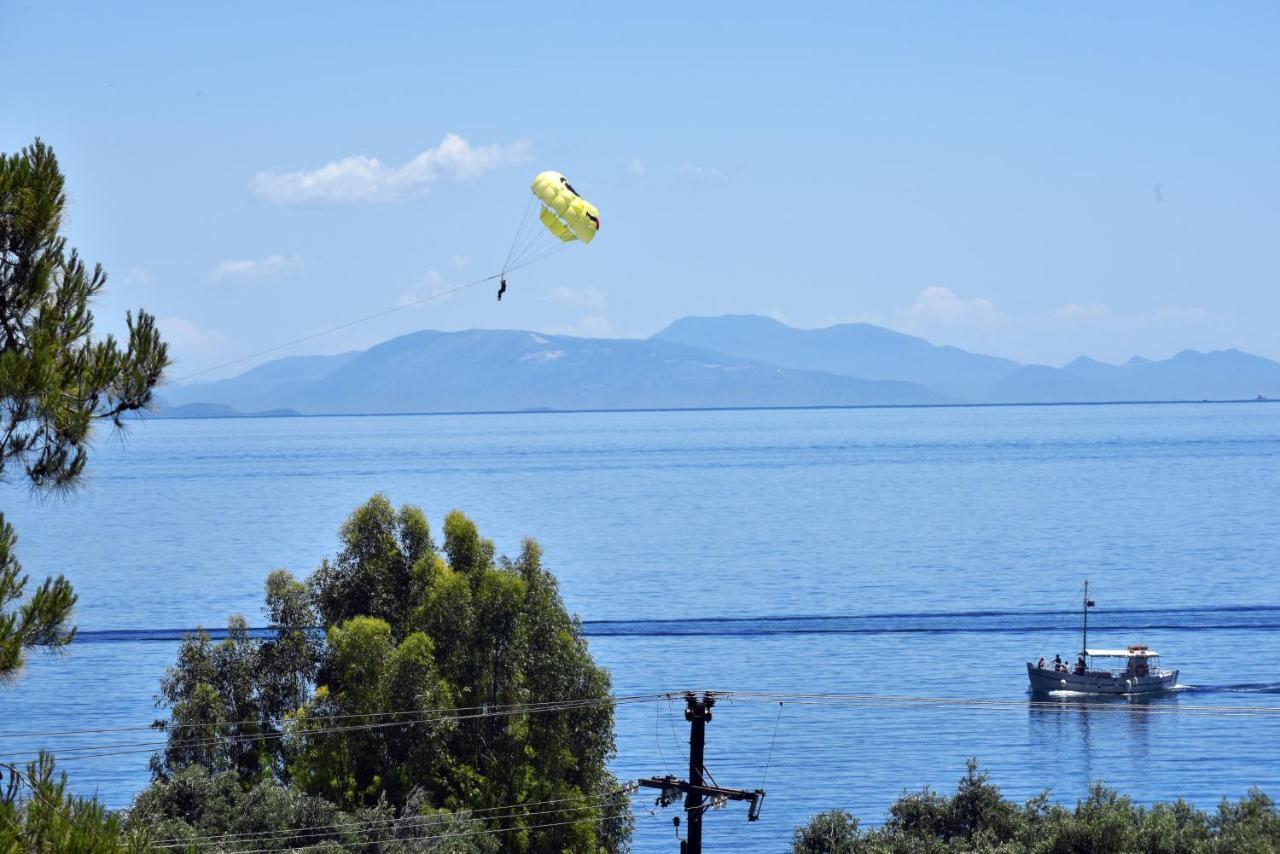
(978, 819)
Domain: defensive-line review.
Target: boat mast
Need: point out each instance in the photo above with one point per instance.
(1084, 629)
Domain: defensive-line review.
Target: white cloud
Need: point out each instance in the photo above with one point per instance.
(1055, 335)
(139, 277)
(585, 297)
(635, 167)
(460, 261)
(938, 306)
(189, 341)
(433, 287)
(367, 179)
(705, 174)
(271, 267)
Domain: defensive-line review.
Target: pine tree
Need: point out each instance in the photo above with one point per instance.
(56, 380)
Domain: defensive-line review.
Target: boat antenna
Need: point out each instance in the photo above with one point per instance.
(1084, 631)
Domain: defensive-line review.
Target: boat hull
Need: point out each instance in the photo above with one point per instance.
(1045, 679)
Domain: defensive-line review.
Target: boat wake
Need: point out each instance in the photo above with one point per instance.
(1238, 688)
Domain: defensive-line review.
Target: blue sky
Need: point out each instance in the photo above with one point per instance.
(1029, 180)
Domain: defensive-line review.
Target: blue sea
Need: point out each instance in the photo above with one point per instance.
(905, 553)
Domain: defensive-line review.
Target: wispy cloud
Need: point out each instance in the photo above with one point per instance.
(938, 306)
(635, 167)
(191, 342)
(433, 287)
(706, 174)
(366, 179)
(1054, 335)
(271, 267)
(139, 277)
(584, 297)
(459, 262)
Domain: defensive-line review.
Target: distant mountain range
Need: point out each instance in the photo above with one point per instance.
(698, 362)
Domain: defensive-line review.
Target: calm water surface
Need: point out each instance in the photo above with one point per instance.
(907, 552)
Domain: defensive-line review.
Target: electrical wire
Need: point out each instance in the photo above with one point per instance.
(372, 825)
(394, 825)
(623, 698)
(492, 831)
(657, 735)
(904, 701)
(122, 748)
(443, 714)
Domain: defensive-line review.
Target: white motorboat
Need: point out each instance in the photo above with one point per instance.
(1132, 670)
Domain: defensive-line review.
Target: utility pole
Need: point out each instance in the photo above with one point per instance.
(697, 712)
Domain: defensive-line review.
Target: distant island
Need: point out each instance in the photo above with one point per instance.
(699, 362)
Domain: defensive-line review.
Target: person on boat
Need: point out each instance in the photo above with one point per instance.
(1040, 666)
(1057, 663)
(1080, 668)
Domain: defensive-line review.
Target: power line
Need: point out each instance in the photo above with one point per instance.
(444, 714)
(699, 796)
(122, 748)
(624, 698)
(489, 831)
(30, 783)
(902, 701)
(420, 823)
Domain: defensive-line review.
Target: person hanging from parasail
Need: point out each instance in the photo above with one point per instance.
(564, 214)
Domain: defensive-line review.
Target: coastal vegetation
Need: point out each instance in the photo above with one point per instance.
(978, 818)
(447, 696)
(56, 380)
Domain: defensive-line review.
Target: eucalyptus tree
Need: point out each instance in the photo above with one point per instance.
(439, 677)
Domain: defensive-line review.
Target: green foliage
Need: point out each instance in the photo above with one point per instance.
(55, 380)
(229, 701)
(37, 814)
(377, 572)
(978, 819)
(217, 812)
(40, 621)
(365, 675)
(832, 832)
(409, 630)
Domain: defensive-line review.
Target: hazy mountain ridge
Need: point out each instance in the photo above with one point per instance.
(486, 370)
(852, 349)
(702, 362)
(873, 352)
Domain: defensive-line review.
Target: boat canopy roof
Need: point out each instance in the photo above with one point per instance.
(1131, 652)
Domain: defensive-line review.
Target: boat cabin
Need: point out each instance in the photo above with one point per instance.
(1134, 662)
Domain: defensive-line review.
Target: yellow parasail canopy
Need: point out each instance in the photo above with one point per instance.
(565, 214)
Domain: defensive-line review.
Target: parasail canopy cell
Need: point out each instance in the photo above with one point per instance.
(565, 214)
